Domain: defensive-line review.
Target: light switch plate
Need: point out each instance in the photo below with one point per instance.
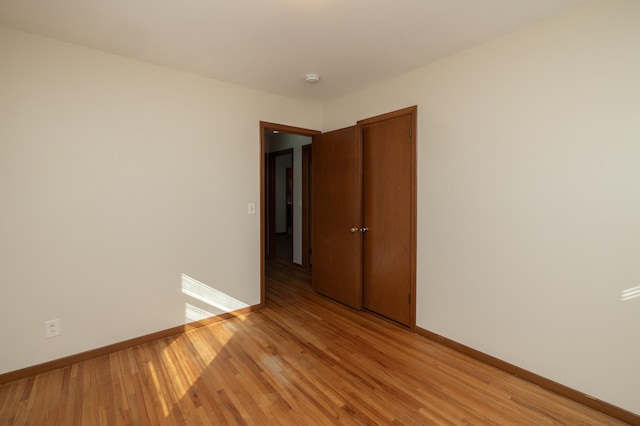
(251, 208)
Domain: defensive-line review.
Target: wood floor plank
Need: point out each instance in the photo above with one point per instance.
(303, 359)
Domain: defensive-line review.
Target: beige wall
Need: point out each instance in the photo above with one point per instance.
(529, 195)
(116, 178)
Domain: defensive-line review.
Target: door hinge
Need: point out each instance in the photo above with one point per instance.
(410, 131)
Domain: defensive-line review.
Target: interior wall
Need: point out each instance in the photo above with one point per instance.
(124, 191)
(528, 206)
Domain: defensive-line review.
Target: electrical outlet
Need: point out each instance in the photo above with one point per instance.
(52, 328)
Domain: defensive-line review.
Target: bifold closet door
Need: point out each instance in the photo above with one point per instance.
(387, 214)
(337, 216)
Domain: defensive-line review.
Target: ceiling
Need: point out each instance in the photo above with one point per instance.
(270, 45)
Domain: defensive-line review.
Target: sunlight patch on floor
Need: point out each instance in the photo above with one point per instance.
(159, 388)
(186, 366)
(185, 362)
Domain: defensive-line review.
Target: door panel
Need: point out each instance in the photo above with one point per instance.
(337, 206)
(387, 201)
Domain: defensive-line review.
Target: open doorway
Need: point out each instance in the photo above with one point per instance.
(280, 203)
(285, 196)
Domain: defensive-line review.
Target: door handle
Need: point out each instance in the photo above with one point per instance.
(364, 229)
(354, 229)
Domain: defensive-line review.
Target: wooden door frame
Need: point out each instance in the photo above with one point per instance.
(266, 127)
(413, 112)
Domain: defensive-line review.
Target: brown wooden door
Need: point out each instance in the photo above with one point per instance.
(387, 203)
(336, 216)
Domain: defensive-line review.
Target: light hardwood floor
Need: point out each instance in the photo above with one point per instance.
(303, 360)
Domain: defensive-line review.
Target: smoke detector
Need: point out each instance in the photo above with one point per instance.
(312, 78)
